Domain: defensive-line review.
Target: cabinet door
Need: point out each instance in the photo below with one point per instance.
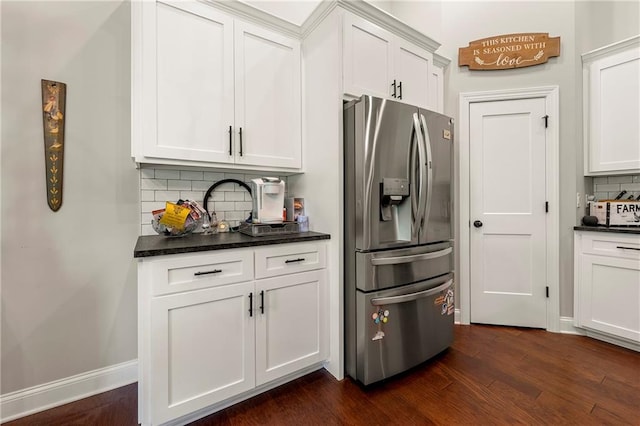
(192, 101)
(368, 58)
(412, 70)
(612, 113)
(291, 330)
(610, 295)
(202, 346)
(268, 98)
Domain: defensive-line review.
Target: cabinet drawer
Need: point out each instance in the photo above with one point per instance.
(289, 259)
(617, 245)
(193, 272)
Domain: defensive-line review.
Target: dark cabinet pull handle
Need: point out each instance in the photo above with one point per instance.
(300, 259)
(240, 141)
(250, 304)
(394, 88)
(262, 302)
(230, 141)
(400, 89)
(627, 248)
(215, 271)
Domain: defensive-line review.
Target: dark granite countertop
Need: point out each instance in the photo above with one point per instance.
(158, 245)
(619, 229)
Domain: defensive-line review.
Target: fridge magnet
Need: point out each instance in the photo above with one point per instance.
(54, 96)
(381, 316)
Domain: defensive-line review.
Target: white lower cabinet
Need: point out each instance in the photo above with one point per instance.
(214, 340)
(290, 326)
(607, 284)
(202, 347)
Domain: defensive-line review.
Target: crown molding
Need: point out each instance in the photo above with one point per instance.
(255, 16)
(441, 61)
(625, 44)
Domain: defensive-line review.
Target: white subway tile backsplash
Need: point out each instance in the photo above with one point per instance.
(237, 176)
(236, 215)
(600, 180)
(234, 196)
(171, 196)
(147, 173)
(192, 195)
(167, 174)
(212, 176)
(153, 184)
(630, 186)
(224, 206)
(149, 206)
(243, 205)
(179, 185)
(230, 201)
(147, 230)
(189, 175)
(608, 187)
(200, 185)
(229, 186)
(620, 179)
(147, 195)
(216, 196)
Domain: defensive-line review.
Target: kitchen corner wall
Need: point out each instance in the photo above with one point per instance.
(68, 278)
(229, 201)
(582, 26)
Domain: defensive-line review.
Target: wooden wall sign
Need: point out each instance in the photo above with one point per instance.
(509, 51)
(54, 97)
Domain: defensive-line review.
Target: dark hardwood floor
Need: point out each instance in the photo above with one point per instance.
(491, 375)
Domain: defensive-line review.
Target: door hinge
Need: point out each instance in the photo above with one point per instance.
(547, 291)
(546, 121)
(546, 207)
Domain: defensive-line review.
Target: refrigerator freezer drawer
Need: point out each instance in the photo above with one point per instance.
(393, 268)
(401, 328)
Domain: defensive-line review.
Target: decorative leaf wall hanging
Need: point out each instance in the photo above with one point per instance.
(54, 96)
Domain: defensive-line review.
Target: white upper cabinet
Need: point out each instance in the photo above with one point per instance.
(194, 78)
(611, 79)
(368, 58)
(268, 99)
(379, 63)
(212, 90)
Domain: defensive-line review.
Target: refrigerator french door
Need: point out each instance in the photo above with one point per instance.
(398, 237)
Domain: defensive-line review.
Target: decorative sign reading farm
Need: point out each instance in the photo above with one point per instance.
(509, 51)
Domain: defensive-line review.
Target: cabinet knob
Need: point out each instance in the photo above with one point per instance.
(477, 224)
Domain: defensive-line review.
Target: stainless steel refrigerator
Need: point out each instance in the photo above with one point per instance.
(398, 245)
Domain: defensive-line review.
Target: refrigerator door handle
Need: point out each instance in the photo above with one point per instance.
(429, 186)
(412, 187)
(422, 165)
(407, 259)
(411, 296)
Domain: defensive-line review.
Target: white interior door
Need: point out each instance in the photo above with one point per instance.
(507, 212)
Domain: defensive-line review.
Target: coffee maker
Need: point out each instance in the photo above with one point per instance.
(268, 199)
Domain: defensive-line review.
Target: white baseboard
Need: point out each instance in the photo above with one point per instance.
(42, 397)
(456, 316)
(567, 327)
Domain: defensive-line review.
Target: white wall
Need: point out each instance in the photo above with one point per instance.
(68, 278)
(581, 25)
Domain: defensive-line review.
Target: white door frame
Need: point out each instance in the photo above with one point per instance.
(551, 95)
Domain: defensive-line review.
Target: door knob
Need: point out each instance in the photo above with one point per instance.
(477, 224)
